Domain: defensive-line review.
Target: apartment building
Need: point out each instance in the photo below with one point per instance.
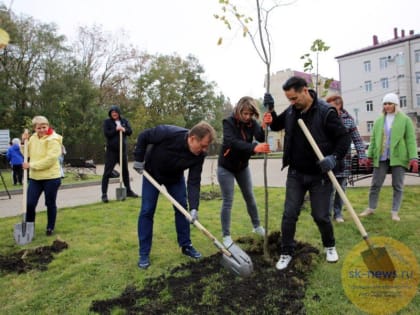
(367, 74)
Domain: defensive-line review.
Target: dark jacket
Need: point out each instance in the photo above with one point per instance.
(167, 155)
(325, 126)
(238, 145)
(112, 135)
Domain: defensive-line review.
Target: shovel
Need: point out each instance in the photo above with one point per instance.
(375, 258)
(24, 232)
(121, 192)
(234, 258)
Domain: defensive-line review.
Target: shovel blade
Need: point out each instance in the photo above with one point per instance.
(24, 233)
(239, 262)
(121, 193)
(379, 263)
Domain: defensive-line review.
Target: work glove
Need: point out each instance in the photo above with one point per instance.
(327, 163)
(369, 163)
(413, 166)
(138, 167)
(268, 101)
(364, 162)
(267, 120)
(194, 215)
(262, 148)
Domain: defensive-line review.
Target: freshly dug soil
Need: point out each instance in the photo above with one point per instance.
(205, 287)
(29, 259)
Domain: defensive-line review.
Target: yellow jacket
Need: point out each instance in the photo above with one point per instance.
(43, 156)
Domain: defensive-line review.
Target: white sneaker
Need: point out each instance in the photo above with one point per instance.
(332, 255)
(227, 241)
(394, 216)
(283, 262)
(259, 230)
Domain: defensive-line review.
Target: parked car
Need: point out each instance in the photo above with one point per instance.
(359, 172)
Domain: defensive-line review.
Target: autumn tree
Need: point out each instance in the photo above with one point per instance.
(171, 90)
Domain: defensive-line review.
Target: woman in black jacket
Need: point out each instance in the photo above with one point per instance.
(239, 132)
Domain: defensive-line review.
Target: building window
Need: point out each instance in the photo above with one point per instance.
(403, 101)
(367, 66)
(418, 77)
(369, 125)
(384, 83)
(418, 100)
(383, 63)
(369, 106)
(368, 86)
(417, 56)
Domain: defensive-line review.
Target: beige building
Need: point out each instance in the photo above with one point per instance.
(367, 74)
(275, 139)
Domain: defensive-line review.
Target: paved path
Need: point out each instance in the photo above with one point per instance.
(70, 197)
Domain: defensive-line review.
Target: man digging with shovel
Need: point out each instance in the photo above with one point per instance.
(305, 173)
(165, 152)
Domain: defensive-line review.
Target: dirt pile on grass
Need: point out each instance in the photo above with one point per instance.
(205, 287)
(30, 259)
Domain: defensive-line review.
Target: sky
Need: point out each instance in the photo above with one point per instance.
(189, 27)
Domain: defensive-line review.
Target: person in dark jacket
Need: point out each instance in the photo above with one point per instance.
(15, 157)
(112, 127)
(165, 152)
(239, 132)
(306, 172)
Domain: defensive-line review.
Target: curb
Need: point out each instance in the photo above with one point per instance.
(67, 186)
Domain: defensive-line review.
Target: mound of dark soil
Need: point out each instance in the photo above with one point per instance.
(205, 287)
(29, 259)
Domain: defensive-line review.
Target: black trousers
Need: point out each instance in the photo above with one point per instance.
(111, 159)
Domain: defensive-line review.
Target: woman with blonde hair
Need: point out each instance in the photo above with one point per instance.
(44, 149)
(239, 132)
(392, 145)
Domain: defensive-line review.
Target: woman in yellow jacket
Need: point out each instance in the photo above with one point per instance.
(392, 145)
(44, 149)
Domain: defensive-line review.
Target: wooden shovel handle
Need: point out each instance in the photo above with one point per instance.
(333, 179)
(121, 158)
(185, 212)
(25, 175)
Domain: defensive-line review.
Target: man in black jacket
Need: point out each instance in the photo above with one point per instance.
(165, 152)
(112, 127)
(305, 172)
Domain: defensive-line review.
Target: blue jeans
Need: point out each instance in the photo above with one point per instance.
(320, 189)
(50, 189)
(227, 185)
(336, 204)
(379, 174)
(147, 211)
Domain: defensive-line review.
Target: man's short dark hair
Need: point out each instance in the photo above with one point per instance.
(296, 83)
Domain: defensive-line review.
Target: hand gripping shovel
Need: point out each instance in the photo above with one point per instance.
(234, 258)
(121, 192)
(375, 258)
(24, 232)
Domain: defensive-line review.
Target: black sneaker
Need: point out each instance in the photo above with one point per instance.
(104, 198)
(49, 232)
(131, 193)
(191, 251)
(144, 262)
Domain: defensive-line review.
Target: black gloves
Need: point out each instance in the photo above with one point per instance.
(268, 101)
(328, 163)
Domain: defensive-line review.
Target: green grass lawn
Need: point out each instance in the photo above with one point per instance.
(103, 251)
